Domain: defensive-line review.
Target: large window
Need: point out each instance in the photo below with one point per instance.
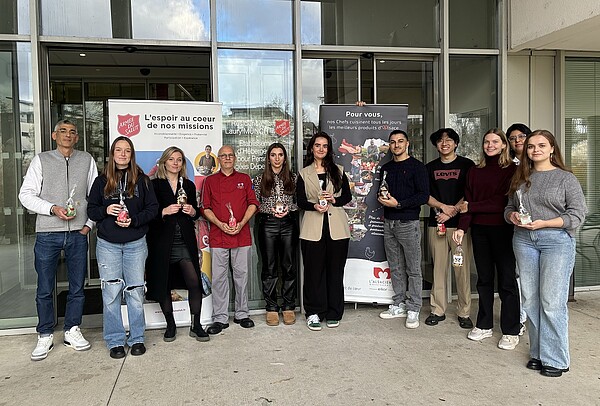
(145, 19)
(14, 18)
(473, 24)
(256, 88)
(17, 227)
(582, 155)
(386, 23)
(473, 100)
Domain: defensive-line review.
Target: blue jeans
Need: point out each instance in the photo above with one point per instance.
(402, 240)
(546, 258)
(121, 269)
(47, 251)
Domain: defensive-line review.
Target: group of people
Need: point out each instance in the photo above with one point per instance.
(517, 214)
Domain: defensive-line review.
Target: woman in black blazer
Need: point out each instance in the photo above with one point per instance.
(172, 248)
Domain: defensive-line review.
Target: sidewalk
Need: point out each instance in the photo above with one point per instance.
(366, 361)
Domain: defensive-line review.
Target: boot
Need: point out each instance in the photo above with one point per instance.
(197, 331)
(171, 330)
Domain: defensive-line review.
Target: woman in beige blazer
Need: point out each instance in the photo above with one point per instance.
(322, 191)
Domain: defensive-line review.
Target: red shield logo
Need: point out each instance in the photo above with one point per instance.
(129, 125)
(282, 127)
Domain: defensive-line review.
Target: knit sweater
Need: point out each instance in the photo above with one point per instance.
(408, 183)
(486, 192)
(554, 193)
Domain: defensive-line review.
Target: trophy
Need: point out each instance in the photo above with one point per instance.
(458, 258)
(524, 215)
(232, 221)
(279, 206)
(181, 195)
(322, 201)
(384, 190)
(441, 227)
(124, 213)
(71, 211)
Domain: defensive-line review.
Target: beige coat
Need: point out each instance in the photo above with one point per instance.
(311, 226)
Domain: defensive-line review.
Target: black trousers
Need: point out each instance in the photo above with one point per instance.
(324, 263)
(277, 244)
(493, 253)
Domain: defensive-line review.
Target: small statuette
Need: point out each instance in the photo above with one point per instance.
(232, 221)
(458, 258)
(71, 211)
(123, 215)
(279, 206)
(384, 190)
(181, 195)
(524, 215)
(322, 201)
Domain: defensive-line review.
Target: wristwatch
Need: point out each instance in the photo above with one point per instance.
(51, 212)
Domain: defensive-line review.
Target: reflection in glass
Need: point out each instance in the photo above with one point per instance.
(256, 89)
(76, 18)
(15, 17)
(260, 21)
(392, 23)
(326, 81)
(472, 23)
(17, 226)
(582, 155)
(473, 109)
(181, 20)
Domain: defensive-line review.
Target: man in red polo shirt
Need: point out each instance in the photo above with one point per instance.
(228, 203)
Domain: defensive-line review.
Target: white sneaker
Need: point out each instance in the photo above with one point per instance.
(478, 334)
(75, 340)
(523, 329)
(313, 323)
(508, 342)
(43, 347)
(394, 311)
(412, 321)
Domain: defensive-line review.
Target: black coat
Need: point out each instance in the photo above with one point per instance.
(160, 239)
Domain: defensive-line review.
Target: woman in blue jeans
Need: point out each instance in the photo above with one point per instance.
(546, 205)
(122, 203)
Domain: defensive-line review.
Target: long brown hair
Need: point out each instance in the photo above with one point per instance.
(525, 168)
(268, 177)
(332, 170)
(161, 173)
(113, 175)
(504, 159)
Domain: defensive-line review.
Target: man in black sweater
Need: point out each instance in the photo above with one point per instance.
(406, 180)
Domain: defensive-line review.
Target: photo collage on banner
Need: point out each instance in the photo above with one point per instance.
(196, 128)
(359, 136)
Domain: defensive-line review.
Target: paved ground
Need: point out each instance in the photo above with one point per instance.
(366, 361)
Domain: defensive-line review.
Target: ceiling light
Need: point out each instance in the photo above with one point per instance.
(82, 54)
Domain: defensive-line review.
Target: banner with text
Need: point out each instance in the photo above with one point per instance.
(153, 126)
(359, 136)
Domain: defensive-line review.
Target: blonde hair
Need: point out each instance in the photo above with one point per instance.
(161, 173)
(504, 160)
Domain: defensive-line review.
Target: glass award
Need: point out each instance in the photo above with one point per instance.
(71, 211)
(384, 190)
(181, 195)
(524, 215)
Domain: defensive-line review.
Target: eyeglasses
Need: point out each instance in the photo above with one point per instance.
(227, 156)
(513, 138)
(64, 131)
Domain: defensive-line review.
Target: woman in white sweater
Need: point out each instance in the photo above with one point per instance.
(546, 204)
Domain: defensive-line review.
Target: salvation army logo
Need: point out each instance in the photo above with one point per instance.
(282, 127)
(378, 271)
(128, 125)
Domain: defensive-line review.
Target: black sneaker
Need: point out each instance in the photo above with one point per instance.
(170, 334)
(434, 319)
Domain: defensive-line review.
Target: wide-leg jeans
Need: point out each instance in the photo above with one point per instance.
(546, 258)
(121, 267)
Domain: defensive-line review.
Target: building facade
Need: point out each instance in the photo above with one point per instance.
(467, 64)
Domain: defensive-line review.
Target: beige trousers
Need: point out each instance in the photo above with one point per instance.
(442, 248)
